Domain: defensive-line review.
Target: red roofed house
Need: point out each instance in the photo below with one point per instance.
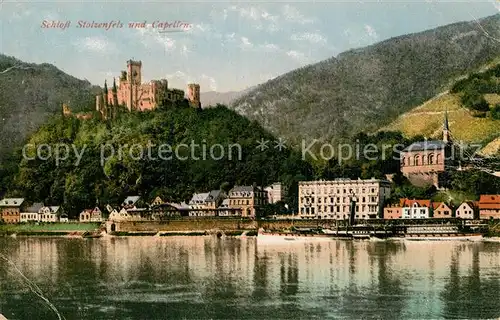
(489, 206)
(415, 209)
(441, 210)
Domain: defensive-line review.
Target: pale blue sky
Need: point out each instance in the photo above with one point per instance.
(232, 45)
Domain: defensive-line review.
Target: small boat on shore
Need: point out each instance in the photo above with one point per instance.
(291, 236)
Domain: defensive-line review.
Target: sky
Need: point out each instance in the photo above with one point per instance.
(222, 45)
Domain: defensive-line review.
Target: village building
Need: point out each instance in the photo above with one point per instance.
(276, 192)
(415, 209)
(393, 212)
(332, 199)
(30, 214)
(130, 202)
(424, 163)
(247, 199)
(214, 199)
(198, 205)
(489, 206)
(224, 210)
(157, 201)
(441, 210)
(49, 214)
(11, 209)
(467, 210)
(91, 215)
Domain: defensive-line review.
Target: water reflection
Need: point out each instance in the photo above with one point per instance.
(206, 278)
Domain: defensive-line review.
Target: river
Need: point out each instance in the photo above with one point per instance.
(231, 278)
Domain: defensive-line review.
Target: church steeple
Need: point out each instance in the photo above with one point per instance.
(446, 129)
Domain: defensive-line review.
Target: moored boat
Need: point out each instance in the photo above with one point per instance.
(291, 236)
(440, 237)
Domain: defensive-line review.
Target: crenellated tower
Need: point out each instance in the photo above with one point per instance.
(193, 95)
(134, 80)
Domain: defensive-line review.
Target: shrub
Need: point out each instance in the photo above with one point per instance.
(495, 112)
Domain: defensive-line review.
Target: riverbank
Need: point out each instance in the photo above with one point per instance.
(227, 227)
(50, 229)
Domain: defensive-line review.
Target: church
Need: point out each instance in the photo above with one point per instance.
(425, 163)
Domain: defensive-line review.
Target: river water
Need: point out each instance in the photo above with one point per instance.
(210, 278)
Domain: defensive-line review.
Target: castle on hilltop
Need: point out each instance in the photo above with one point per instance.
(138, 96)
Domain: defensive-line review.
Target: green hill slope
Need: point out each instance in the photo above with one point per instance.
(471, 120)
(31, 93)
(365, 89)
(173, 175)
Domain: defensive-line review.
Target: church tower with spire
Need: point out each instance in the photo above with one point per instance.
(446, 128)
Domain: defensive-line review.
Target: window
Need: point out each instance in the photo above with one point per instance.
(431, 159)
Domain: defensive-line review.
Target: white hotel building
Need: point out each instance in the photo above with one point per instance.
(331, 199)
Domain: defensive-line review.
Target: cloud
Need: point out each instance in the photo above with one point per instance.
(371, 32)
(245, 43)
(151, 37)
(211, 81)
(260, 19)
(292, 14)
(270, 47)
(201, 28)
(297, 56)
(97, 44)
(309, 36)
(182, 79)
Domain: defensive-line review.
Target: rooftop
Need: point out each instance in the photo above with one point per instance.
(11, 202)
(426, 145)
(131, 200)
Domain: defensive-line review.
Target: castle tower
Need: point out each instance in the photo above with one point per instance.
(134, 77)
(446, 129)
(193, 94)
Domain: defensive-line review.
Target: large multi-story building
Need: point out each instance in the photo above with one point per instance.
(332, 199)
(135, 95)
(11, 208)
(276, 192)
(248, 199)
(424, 162)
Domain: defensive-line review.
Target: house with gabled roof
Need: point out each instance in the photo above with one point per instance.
(441, 210)
(467, 210)
(11, 209)
(157, 201)
(91, 215)
(415, 209)
(49, 214)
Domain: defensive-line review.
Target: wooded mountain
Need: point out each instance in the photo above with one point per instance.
(109, 176)
(212, 98)
(364, 89)
(31, 93)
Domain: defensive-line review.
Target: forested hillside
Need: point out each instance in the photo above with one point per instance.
(367, 88)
